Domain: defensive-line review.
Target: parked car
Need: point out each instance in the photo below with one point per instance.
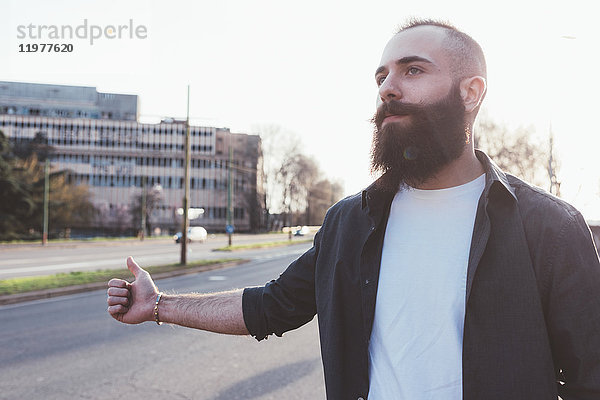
(195, 234)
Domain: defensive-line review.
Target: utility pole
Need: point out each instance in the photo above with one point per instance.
(46, 199)
(144, 194)
(229, 227)
(289, 224)
(554, 183)
(186, 185)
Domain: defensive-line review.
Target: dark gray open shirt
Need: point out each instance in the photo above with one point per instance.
(532, 321)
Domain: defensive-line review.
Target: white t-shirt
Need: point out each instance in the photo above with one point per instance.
(415, 351)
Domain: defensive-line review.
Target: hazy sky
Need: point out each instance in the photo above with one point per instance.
(308, 66)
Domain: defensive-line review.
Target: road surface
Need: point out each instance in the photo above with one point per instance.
(31, 260)
(70, 348)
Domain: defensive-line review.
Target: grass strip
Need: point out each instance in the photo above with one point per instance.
(262, 245)
(28, 284)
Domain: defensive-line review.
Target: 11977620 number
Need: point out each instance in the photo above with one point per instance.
(45, 47)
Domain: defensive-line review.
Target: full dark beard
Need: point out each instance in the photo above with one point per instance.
(411, 152)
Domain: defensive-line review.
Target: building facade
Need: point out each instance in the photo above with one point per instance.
(18, 98)
(122, 160)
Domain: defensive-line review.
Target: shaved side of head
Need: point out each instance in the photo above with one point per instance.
(466, 54)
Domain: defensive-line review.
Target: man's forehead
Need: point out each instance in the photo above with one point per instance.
(422, 41)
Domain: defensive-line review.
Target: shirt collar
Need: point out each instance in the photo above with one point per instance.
(374, 198)
(494, 176)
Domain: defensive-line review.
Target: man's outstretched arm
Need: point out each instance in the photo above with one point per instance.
(133, 303)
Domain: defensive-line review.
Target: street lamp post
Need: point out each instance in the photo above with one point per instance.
(554, 186)
(229, 227)
(554, 182)
(46, 200)
(186, 185)
(144, 194)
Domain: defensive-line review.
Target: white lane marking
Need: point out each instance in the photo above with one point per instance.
(86, 264)
(64, 258)
(217, 278)
(118, 263)
(95, 292)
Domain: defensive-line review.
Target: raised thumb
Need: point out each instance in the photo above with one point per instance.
(133, 266)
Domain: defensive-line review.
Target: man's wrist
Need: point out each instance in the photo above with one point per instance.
(164, 313)
(156, 312)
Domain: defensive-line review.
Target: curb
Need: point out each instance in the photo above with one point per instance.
(56, 292)
(259, 247)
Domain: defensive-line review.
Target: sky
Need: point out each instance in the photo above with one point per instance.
(308, 67)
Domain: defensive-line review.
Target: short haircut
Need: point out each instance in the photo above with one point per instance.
(466, 53)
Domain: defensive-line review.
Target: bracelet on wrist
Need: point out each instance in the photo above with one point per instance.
(156, 309)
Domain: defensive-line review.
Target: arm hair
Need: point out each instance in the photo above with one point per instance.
(215, 312)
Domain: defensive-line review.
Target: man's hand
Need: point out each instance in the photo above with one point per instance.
(132, 303)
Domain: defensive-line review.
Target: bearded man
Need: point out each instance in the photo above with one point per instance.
(446, 278)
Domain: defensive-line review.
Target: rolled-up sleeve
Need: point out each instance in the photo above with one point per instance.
(285, 303)
(574, 311)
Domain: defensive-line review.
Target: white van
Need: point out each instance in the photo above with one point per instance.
(195, 234)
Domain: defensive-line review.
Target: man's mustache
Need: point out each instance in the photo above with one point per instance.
(394, 107)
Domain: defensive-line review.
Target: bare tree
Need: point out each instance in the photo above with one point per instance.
(322, 195)
(519, 153)
(279, 146)
(152, 201)
(304, 171)
(553, 167)
(295, 186)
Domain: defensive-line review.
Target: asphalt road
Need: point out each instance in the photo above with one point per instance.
(34, 259)
(70, 348)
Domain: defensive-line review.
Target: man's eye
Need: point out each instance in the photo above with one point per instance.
(413, 71)
(380, 80)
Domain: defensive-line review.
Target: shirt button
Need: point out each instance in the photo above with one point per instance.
(366, 281)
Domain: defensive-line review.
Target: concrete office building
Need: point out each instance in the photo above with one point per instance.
(65, 101)
(118, 157)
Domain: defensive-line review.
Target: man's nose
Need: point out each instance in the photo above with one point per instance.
(389, 90)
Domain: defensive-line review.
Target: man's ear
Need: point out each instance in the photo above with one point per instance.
(472, 91)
